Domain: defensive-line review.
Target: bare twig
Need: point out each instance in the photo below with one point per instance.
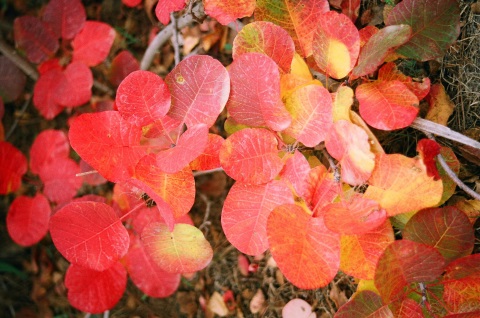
(22, 111)
(208, 205)
(452, 174)
(167, 32)
(176, 46)
(333, 166)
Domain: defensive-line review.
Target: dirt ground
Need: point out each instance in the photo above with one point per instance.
(31, 279)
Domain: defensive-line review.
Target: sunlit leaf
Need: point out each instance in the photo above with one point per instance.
(390, 72)
(364, 304)
(199, 86)
(142, 98)
(311, 110)
(435, 26)
(387, 105)
(336, 44)
(405, 262)
(164, 8)
(65, 17)
(447, 229)
(27, 219)
(342, 102)
(307, 253)
(298, 18)
(210, 157)
(255, 92)
(44, 92)
(185, 250)
(228, 11)
(296, 171)
(89, 234)
(146, 274)
(321, 189)
(106, 141)
(246, 210)
(251, 156)
(349, 144)
(400, 184)
(92, 45)
(95, 291)
(60, 181)
(75, 86)
(267, 38)
(359, 254)
(34, 37)
(13, 165)
(378, 46)
(49, 145)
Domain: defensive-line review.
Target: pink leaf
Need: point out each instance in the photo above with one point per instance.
(93, 43)
(95, 291)
(246, 210)
(106, 142)
(33, 37)
(296, 171)
(27, 219)
(255, 96)
(60, 181)
(200, 86)
(75, 87)
(13, 165)
(142, 98)
(251, 156)
(49, 145)
(65, 17)
(298, 308)
(165, 7)
(89, 234)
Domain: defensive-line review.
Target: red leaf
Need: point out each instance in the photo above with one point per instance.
(255, 93)
(148, 215)
(350, 144)
(92, 45)
(374, 52)
(95, 291)
(210, 157)
(355, 216)
(122, 65)
(364, 304)
(446, 229)
(131, 3)
(407, 308)
(89, 234)
(246, 210)
(165, 7)
(296, 171)
(433, 31)
(93, 179)
(336, 44)
(185, 250)
(387, 105)
(251, 156)
(428, 150)
(142, 98)
(146, 274)
(65, 17)
(405, 262)
(60, 181)
(228, 11)
(33, 37)
(190, 145)
(321, 189)
(267, 38)
(311, 109)
(13, 165)
(75, 86)
(307, 253)
(200, 86)
(48, 146)
(106, 142)
(27, 219)
(389, 72)
(12, 80)
(44, 92)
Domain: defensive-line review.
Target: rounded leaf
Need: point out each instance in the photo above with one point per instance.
(60, 181)
(13, 165)
(165, 7)
(44, 93)
(184, 250)
(143, 98)
(316, 263)
(210, 157)
(49, 145)
(89, 234)
(122, 65)
(75, 86)
(251, 156)
(298, 308)
(200, 86)
(34, 37)
(246, 210)
(364, 304)
(226, 11)
(296, 171)
(95, 291)
(27, 219)
(65, 17)
(92, 45)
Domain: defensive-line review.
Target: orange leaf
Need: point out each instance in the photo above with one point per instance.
(400, 184)
(306, 251)
(389, 72)
(228, 11)
(321, 189)
(441, 106)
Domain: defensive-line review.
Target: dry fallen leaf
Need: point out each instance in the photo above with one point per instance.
(337, 296)
(257, 304)
(298, 308)
(217, 305)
